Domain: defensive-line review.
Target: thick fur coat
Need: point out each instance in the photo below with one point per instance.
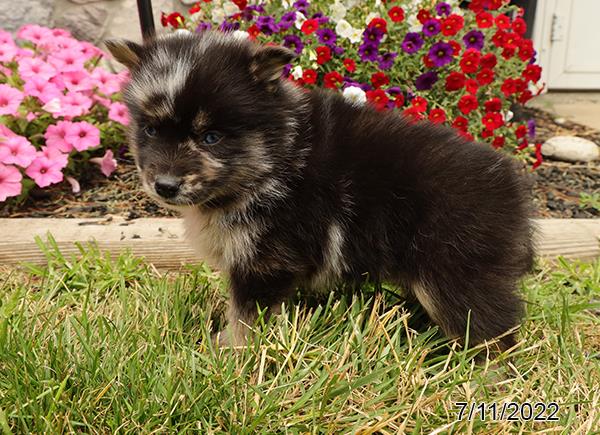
(283, 188)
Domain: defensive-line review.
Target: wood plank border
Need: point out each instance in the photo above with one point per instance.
(161, 240)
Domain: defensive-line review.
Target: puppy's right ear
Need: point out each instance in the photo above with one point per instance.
(126, 52)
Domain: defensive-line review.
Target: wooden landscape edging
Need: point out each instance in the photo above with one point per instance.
(160, 240)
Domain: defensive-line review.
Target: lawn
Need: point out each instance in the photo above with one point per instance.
(101, 345)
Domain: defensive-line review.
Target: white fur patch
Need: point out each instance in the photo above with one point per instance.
(334, 263)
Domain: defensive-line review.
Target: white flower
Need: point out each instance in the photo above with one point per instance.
(218, 15)
(337, 11)
(300, 19)
(355, 95)
(297, 72)
(230, 8)
(240, 34)
(312, 55)
(355, 36)
(52, 106)
(371, 16)
(344, 29)
(351, 3)
(508, 116)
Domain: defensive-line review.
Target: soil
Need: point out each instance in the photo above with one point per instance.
(557, 186)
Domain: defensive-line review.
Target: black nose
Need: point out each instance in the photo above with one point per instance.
(167, 187)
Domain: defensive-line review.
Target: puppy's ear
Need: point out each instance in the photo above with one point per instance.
(268, 62)
(126, 52)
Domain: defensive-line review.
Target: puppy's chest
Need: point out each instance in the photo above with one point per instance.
(219, 241)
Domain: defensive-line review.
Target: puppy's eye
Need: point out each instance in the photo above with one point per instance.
(150, 131)
(211, 137)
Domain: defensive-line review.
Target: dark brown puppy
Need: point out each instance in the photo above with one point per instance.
(282, 188)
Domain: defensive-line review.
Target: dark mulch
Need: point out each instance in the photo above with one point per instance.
(556, 187)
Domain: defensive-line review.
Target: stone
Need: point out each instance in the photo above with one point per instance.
(560, 121)
(570, 149)
(13, 14)
(86, 22)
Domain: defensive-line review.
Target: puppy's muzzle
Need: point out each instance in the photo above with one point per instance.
(167, 186)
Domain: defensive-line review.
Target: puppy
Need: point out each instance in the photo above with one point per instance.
(283, 188)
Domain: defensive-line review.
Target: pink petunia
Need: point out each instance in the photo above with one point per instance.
(8, 51)
(56, 136)
(107, 163)
(77, 81)
(59, 43)
(53, 107)
(6, 37)
(16, 150)
(75, 104)
(89, 50)
(67, 60)
(83, 135)
(118, 112)
(10, 99)
(104, 101)
(34, 33)
(44, 171)
(60, 32)
(42, 89)
(10, 181)
(36, 67)
(60, 159)
(106, 82)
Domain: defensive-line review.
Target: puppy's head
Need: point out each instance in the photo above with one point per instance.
(208, 113)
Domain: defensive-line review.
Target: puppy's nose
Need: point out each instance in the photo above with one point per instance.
(166, 186)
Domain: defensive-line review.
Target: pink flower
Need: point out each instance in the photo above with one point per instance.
(75, 187)
(44, 171)
(16, 150)
(60, 32)
(82, 135)
(10, 99)
(56, 136)
(7, 52)
(67, 60)
(30, 116)
(104, 101)
(34, 33)
(60, 159)
(24, 53)
(6, 37)
(118, 112)
(10, 182)
(107, 163)
(36, 67)
(107, 83)
(75, 104)
(53, 107)
(89, 50)
(77, 80)
(38, 87)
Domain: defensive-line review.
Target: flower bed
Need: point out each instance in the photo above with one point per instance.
(59, 111)
(467, 68)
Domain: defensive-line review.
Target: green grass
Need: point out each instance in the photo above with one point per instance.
(101, 345)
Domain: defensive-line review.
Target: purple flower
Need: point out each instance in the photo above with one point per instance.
(440, 53)
(301, 6)
(443, 9)
(327, 36)
(531, 128)
(426, 81)
(266, 24)
(394, 90)
(372, 35)
(474, 39)
(412, 43)
(386, 60)
(432, 27)
(247, 14)
(367, 52)
(229, 27)
(256, 8)
(337, 50)
(321, 18)
(286, 70)
(293, 42)
(202, 27)
(287, 20)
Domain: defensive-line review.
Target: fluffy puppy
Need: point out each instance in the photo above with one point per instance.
(283, 188)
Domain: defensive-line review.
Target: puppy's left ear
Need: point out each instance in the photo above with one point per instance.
(268, 62)
(126, 52)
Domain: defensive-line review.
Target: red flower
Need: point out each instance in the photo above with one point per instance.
(496, 4)
(467, 135)
(455, 47)
(423, 16)
(350, 65)
(419, 103)
(525, 96)
(498, 38)
(399, 100)
(452, 25)
(253, 31)
(477, 6)
(437, 116)
(455, 81)
(508, 52)
(519, 26)
(489, 61)
(379, 79)
(378, 23)
(485, 133)
(472, 86)
(521, 131)
(532, 73)
(427, 61)
(538, 156)
(378, 98)
(323, 54)
(511, 39)
(194, 9)
(469, 63)
(493, 105)
(524, 144)
(467, 104)
(241, 4)
(509, 87)
(333, 79)
(492, 120)
(498, 142)
(485, 76)
(396, 14)
(174, 19)
(309, 26)
(526, 50)
(502, 22)
(460, 123)
(484, 20)
(309, 76)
